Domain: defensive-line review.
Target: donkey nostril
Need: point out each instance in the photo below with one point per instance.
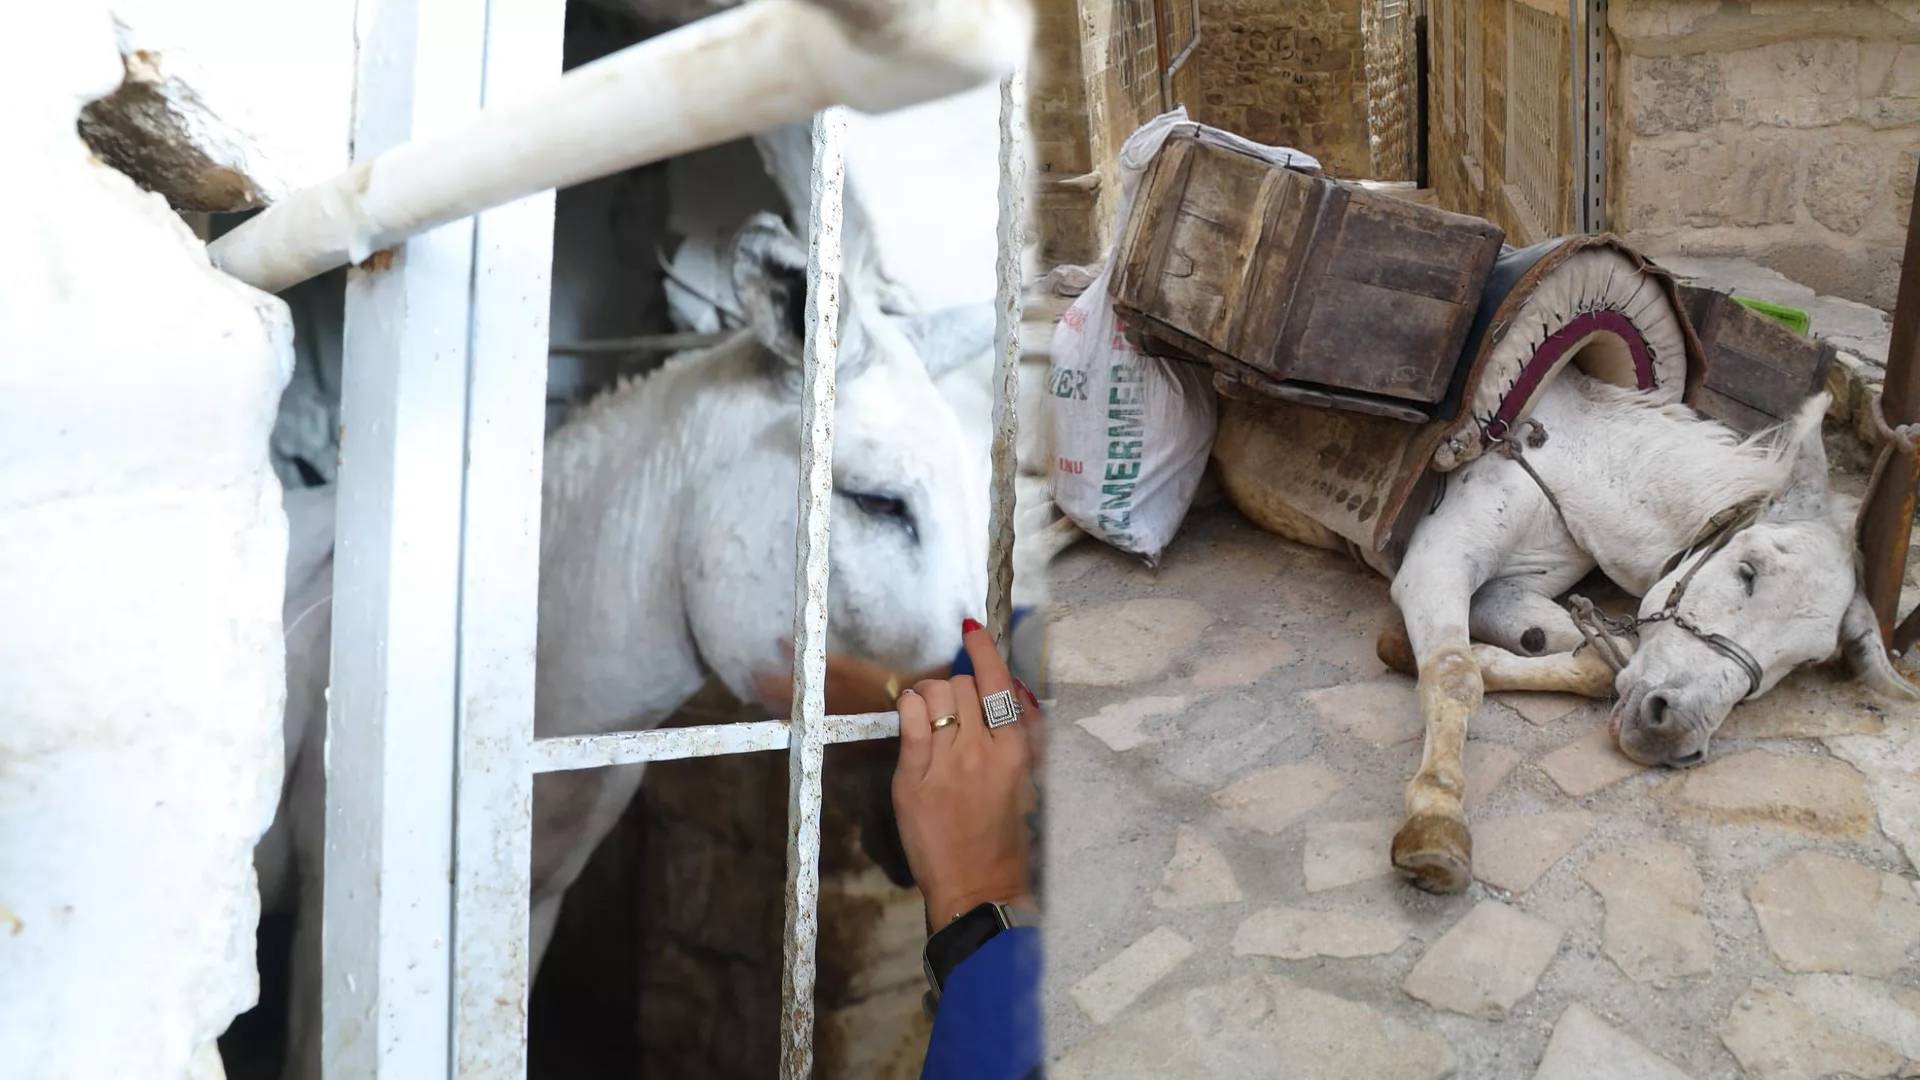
(1534, 640)
(1656, 711)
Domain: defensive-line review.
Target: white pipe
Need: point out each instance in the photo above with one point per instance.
(767, 63)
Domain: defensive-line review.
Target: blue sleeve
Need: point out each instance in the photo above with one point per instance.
(988, 1024)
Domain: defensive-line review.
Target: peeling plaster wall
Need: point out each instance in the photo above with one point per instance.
(141, 551)
(222, 108)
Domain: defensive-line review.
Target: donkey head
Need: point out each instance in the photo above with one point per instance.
(1784, 589)
(907, 558)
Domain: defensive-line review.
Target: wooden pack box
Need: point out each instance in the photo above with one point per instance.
(1757, 372)
(1304, 288)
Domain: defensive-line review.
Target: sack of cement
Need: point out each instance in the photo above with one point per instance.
(1131, 433)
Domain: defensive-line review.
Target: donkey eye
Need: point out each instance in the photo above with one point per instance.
(1747, 575)
(883, 507)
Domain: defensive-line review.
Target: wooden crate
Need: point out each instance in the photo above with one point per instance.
(1757, 372)
(1303, 288)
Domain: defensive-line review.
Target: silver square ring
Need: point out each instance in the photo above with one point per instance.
(1001, 708)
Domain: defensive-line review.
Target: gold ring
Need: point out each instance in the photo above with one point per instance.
(945, 721)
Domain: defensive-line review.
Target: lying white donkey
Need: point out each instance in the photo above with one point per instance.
(1653, 496)
(667, 556)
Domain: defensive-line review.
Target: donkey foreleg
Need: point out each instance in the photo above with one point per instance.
(1433, 847)
(1581, 672)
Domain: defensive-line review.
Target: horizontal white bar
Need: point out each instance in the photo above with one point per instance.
(708, 740)
(747, 69)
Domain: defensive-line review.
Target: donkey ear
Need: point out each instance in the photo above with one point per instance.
(1860, 643)
(951, 337)
(770, 279)
(1805, 494)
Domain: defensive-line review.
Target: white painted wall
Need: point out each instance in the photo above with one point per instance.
(141, 548)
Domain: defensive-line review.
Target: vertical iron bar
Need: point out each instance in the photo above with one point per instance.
(389, 741)
(1596, 149)
(806, 749)
(1886, 518)
(1577, 119)
(1008, 291)
(499, 580)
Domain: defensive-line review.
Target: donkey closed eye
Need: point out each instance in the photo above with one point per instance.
(885, 508)
(1747, 576)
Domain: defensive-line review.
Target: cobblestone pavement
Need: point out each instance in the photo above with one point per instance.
(1225, 770)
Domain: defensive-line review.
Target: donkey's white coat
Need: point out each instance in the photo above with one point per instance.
(1639, 484)
(667, 557)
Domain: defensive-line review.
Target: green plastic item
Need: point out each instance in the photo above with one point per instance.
(1792, 318)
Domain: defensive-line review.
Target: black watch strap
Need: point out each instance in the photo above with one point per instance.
(953, 943)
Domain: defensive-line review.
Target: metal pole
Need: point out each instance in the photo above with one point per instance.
(1008, 291)
(1596, 148)
(806, 749)
(499, 581)
(747, 69)
(388, 864)
(1886, 519)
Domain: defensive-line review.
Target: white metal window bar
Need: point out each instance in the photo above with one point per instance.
(426, 932)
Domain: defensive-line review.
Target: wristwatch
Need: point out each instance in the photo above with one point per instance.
(963, 937)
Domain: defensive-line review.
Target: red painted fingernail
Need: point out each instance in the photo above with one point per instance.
(969, 626)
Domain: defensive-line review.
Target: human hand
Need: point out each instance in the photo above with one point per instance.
(962, 794)
(853, 685)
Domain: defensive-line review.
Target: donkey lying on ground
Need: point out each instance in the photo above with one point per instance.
(1644, 494)
(667, 557)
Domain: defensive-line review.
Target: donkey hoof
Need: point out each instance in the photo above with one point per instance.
(1394, 649)
(1434, 852)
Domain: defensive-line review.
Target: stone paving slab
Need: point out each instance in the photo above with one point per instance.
(1821, 912)
(1294, 934)
(1589, 764)
(1260, 1026)
(1116, 984)
(1777, 1038)
(1125, 643)
(1540, 708)
(1511, 853)
(1125, 725)
(1198, 875)
(1341, 853)
(1486, 963)
(1654, 929)
(1379, 712)
(1272, 799)
(1585, 1047)
(1808, 794)
(1486, 765)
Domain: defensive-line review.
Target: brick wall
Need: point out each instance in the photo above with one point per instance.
(1095, 78)
(1290, 72)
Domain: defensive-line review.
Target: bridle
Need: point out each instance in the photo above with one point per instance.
(1595, 625)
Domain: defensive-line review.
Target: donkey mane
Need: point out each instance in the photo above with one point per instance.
(1734, 469)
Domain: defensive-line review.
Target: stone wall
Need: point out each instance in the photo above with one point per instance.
(1787, 133)
(1292, 73)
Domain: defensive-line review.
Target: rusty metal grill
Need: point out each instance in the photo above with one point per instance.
(1536, 76)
